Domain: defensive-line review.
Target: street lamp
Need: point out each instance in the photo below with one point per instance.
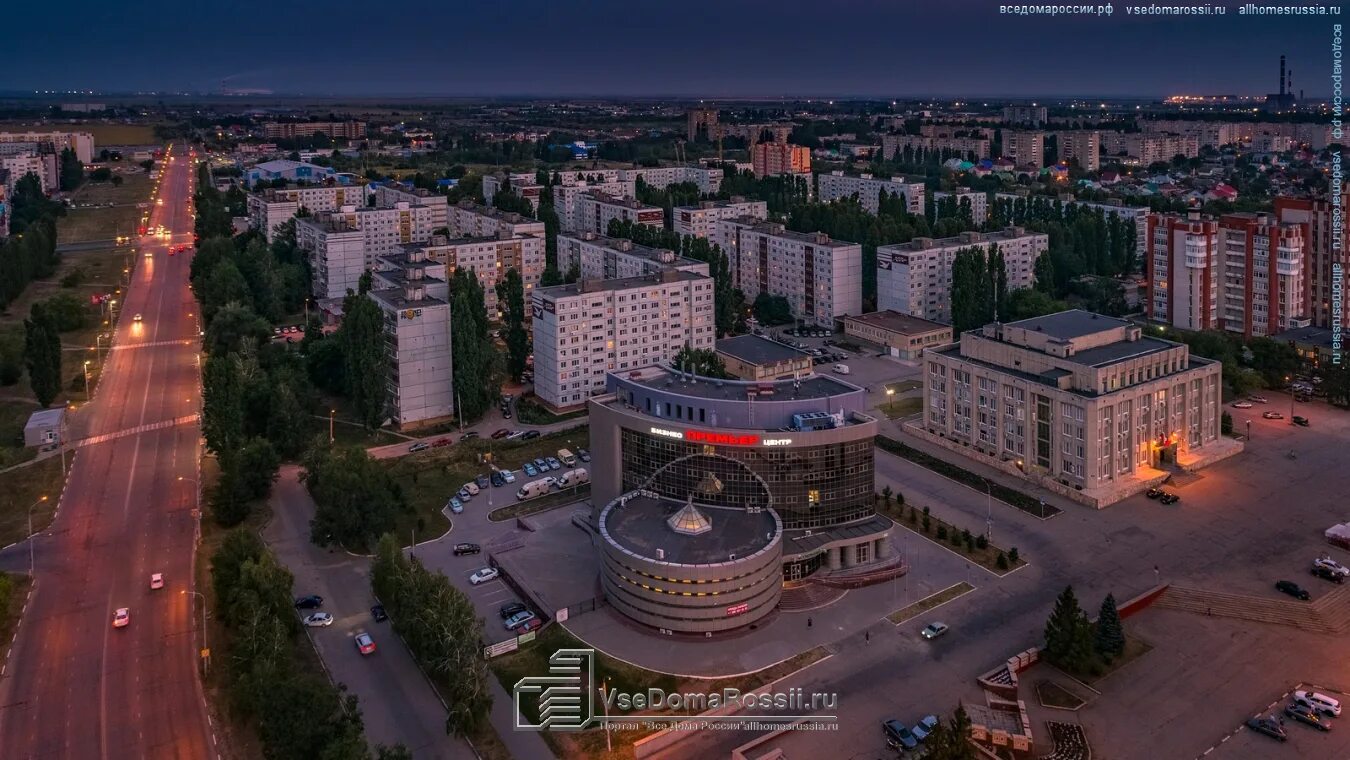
(31, 561)
(87, 393)
(890, 400)
(604, 700)
(988, 510)
(332, 415)
(205, 648)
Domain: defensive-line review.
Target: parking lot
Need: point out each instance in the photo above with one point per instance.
(868, 368)
(1302, 740)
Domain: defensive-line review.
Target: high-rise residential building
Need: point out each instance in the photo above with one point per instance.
(963, 147)
(837, 185)
(698, 220)
(1150, 147)
(709, 180)
(274, 206)
(915, 278)
(412, 294)
(770, 159)
(566, 199)
(595, 210)
(598, 257)
(1214, 134)
(702, 123)
(592, 327)
(522, 185)
(820, 278)
(1081, 145)
(1025, 148)
(489, 258)
(1079, 398)
(978, 202)
(1327, 243)
(1033, 115)
(41, 163)
(4, 203)
(345, 130)
(1183, 265)
(471, 220)
(80, 142)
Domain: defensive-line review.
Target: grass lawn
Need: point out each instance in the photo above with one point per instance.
(909, 612)
(539, 503)
(902, 407)
(13, 594)
(912, 519)
(103, 133)
(530, 412)
(905, 386)
(24, 487)
(1135, 648)
(104, 222)
(13, 415)
(533, 660)
(431, 477)
(1052, 694)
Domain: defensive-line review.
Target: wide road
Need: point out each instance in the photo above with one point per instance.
(74, 686)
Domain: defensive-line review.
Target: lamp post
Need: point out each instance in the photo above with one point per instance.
(332, 415)
(87, 393)
(205, 648)
(988, 510)
(1249, 430)
(890, 399)
(32, 562)
(1287, 380)
(609, 748)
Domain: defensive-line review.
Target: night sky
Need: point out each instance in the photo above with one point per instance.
(724, 48)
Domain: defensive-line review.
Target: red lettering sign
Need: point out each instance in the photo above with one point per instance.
(727, 439)
(738, 609)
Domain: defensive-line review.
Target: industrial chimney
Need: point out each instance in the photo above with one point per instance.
(1281, 75)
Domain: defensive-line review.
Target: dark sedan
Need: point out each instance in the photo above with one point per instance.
(312, 602)
(1292, 589)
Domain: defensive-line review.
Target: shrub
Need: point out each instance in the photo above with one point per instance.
(73, 278)
(970, 542)
(1002, 561)
(942, 532)
(913, 516)
(886, 495)
(982, 541)
(925, 511)
(926, 524)
(899, 498)
(1012, 554)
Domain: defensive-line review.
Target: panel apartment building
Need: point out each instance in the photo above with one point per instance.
(598, 257)
(769, 159)
(837, 185)
(1025, 148)
(1327, 243)
(275, 206)
(344, 130)
(1081, 145)
(973, 148)
(1243, 273)
(489, 258)
(698, 220)
(1150, 147)
(595, 210)
(820, 278)
(80, 142)
(1084, 399)
(589, 328)
(567, 199)
(412, 294)
(472, 220)
(978, 202)
(522, 184)
(1032, 115)
(915, 278)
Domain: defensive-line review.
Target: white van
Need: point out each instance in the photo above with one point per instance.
(575, 477)
(532, 489)
(567, 458)
(1318, 702)
(841, 369)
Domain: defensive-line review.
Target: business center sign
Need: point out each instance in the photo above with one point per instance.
(720, 439)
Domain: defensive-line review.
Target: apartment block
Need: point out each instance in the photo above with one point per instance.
(1264, 292)
(80, 142)
(489, 258)
(1209, 133)
(963, 147)
(522, 184)
(1327, 246)
(709, 180)
(837, 185)
(978, 202)
(43, 165)
(589, 328)
(595, 210)
(698, 220)
(337, 254)
(769, 159)
(820, 278)
(273, 207)
(413, 299)
(473, 220)
(566, 199)
(598, 257)
(1149, 147)
(1074, 397)
(1083, 146)
(345, 130)
(328, 237)
(1033, 116)
(1025, 148)
(915, 278)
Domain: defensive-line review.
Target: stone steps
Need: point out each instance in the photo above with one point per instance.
(809, 597)
(1328, 614)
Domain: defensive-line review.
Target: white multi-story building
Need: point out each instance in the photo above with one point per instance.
(566, 199)
(1030, 115)
(1215, 134)
(589, 328)
(698, 220)
(273, 207)
(80, 142)
(337, 254)
(469, 219)
(964, 147)
(43, 165)
(413, 298)
(978, 202)
(1025, 148)
(820, 278)
(1150, 147)
(708, 180)
(837, 185)
(595, 210)
(915, 278)
(522, 184)
(489, 258)
(328, 237)
(1081, 145)
(598, 257)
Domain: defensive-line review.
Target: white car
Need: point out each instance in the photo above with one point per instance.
(1332, 565)
(137, 318)
(121, 618)
(483, 575)
(472, 488)
(934, 630)
(1318, 702)
(157, 581)
(1257, 399)
(1242, 405)
(319, 619)
(841, 369)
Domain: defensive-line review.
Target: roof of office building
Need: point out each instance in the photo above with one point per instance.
(758, 350)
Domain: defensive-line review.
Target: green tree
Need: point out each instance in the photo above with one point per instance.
(1068, 634)
(225, 284)
(1110, 639)
(511, 300)
(365, 366)
(772, 310)
(222, 404)
(42, 354)
(72, 171)
(474, 368)
(356, 499)
(701, 361)
(233, 324)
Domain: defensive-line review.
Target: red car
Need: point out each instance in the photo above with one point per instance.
(441, 442)
(533, 624)
(364, 643)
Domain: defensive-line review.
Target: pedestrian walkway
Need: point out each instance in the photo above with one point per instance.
(1330, 613)
(186, 419)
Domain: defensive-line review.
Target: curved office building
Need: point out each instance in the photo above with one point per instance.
(797, 452)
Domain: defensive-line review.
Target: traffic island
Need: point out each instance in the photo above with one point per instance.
(931, 602)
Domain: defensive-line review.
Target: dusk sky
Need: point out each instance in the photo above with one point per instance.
(620, 47)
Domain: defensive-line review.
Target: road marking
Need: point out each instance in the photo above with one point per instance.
(153, 344)
(186, 419)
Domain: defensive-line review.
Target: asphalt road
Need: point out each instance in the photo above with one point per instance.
(74, 686)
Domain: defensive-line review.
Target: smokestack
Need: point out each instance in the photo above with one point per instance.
(1281, 75)
(1291, 83)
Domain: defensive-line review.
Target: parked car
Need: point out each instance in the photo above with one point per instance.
(464, 494)
(533, 624)
(553, 463)
(156, 581)
(500, 434)
(378, 614)
(506, 414)
(511, 608)
(469, 436)
(456, 506)
(517, 620)
(483, 575)
(311, 602)
(472, 488)
(541, 465)
(934, 630)
(1327, 574)
(1301, 421)
(1318, 702)
(583, 455)
(530, 435)
(1169, 498)
(530, 470)
(365, 644)
(441, 443)
(515, 435)
(482, 481)
(466, 548)
(1307, 716)
(497, 480)
(1272, 415)
(1292, 589)
(1267, 726)
(318, 620)
(898, 733)
(419, 446)
(925, 727)
(1242, 405)
(508, 476)
(840, 369)
(1154, 493)
(1258, 399)
(1332, 565)
(122, 617)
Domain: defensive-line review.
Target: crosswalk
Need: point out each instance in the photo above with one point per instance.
(186, 419)
(152, 344)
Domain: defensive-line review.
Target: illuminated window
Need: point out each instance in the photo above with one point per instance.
(813, 496)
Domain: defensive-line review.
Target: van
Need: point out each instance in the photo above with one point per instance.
(1318, 702)
(575, 477)
(841, 369)
(532, 489)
